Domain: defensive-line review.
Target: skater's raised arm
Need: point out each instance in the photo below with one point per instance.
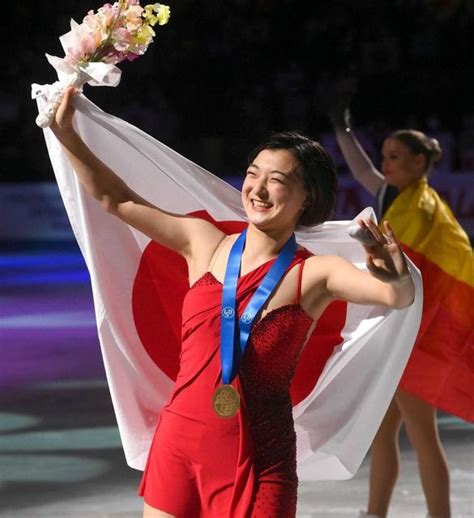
(183, 234)
(360, 165)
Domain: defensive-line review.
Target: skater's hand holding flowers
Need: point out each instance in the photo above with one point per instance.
(62, 123)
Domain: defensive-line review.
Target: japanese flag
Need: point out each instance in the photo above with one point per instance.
(349, 369)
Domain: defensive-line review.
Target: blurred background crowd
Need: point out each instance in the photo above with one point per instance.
(224, 73)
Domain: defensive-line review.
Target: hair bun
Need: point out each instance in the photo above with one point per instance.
(436, 150)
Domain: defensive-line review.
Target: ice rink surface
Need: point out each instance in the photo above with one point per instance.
(60, 452)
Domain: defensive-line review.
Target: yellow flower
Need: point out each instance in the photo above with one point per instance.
(148, 12)
(162, 12)
(151, 19)
(144, 35)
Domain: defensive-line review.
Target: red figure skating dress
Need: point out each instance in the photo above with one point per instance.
(201, 465)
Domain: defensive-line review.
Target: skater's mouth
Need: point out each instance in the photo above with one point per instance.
(261, 205)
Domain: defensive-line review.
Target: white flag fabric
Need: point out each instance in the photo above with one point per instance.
(138, 288)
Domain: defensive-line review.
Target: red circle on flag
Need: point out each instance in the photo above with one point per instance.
(160, 285)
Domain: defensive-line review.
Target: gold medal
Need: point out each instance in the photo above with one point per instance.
(226, 401)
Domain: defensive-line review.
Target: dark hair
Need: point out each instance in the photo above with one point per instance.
(419, 143)
(316, 167)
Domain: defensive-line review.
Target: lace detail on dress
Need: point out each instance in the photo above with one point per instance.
(270, 360)
(207, 279)
(273, 350)
(275, 499)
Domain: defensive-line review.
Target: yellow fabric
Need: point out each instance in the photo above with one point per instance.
(424, 222)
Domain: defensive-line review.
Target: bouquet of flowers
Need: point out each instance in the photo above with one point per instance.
(116, 32)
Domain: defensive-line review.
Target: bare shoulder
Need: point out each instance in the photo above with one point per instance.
(319, 267)
(324, 270)
(327, 278)
(315, 295)
(205, 241)
(204, 229)
(204, 237)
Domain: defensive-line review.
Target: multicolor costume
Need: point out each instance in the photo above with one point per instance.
(441, 367)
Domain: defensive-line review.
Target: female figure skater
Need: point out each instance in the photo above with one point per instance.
(225, 444)
(437, 374)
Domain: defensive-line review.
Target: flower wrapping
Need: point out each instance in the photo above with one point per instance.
(116, 32)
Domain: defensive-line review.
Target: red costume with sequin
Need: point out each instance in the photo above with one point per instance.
(201, 465)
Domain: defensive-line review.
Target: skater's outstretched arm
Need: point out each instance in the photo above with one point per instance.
(191, 237)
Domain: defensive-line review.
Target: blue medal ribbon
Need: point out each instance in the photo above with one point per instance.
(230, 354)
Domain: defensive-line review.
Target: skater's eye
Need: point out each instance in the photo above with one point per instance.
(274, 179)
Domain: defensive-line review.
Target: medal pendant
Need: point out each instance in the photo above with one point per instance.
(226, 401)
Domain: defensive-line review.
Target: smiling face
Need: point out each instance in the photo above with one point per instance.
(400, 166)
(273, 192)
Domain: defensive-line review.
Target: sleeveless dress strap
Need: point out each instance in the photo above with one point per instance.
(217, 253)
(300, 278)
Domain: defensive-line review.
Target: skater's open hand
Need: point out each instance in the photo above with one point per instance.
(385, 259)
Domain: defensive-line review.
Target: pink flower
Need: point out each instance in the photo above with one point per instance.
(122, 38)
(113, 57)
(133, 17)
(132, 57)
(96, 25)
(108, 13)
